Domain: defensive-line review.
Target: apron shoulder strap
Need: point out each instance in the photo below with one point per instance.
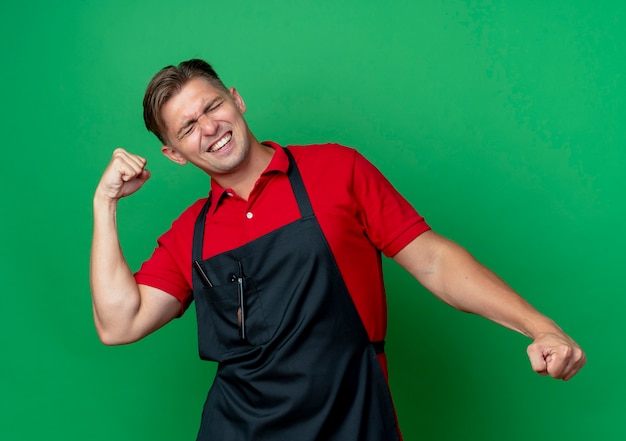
(198, 232)
(295, 178)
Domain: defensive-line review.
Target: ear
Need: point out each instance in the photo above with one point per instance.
(173, 155)
(239, 102)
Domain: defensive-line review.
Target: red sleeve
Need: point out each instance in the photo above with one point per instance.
(169, 267)
(390, 220)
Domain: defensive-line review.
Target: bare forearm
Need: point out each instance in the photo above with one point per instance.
(115, 293)
(469, 286)
(453, 275)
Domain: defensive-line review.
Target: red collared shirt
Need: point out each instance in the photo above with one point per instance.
(359, 211)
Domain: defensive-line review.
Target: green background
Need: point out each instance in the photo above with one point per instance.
(501, 121)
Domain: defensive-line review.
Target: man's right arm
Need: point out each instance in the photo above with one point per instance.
(124, 311)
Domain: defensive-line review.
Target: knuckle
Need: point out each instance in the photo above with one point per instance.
(567, 351)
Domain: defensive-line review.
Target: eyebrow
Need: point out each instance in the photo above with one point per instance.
(191, 121)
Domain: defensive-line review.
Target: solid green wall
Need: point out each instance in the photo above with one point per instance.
(501, 121)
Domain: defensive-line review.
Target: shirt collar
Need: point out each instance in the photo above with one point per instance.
(278, 164)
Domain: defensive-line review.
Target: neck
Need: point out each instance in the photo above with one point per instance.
(243, 181)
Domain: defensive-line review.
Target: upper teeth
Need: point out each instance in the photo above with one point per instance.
(221, 143)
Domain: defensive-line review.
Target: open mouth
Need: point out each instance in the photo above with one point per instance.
(220, 142)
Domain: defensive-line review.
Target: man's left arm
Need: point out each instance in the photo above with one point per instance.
(453, 275)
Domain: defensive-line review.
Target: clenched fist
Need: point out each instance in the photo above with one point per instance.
(125, 174)
(556, 355)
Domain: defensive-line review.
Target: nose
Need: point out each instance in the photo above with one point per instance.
(208, 125)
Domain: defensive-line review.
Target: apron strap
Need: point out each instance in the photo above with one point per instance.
(196, 252)
(302, 198)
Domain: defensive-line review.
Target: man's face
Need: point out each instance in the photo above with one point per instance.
(205, 126)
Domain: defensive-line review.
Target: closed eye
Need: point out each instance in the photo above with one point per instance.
(186, 129)
(212, 105)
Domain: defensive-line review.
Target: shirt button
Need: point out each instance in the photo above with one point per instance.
(249, 215)
(229, 194)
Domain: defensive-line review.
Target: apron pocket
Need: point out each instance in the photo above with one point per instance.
(223, 303)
